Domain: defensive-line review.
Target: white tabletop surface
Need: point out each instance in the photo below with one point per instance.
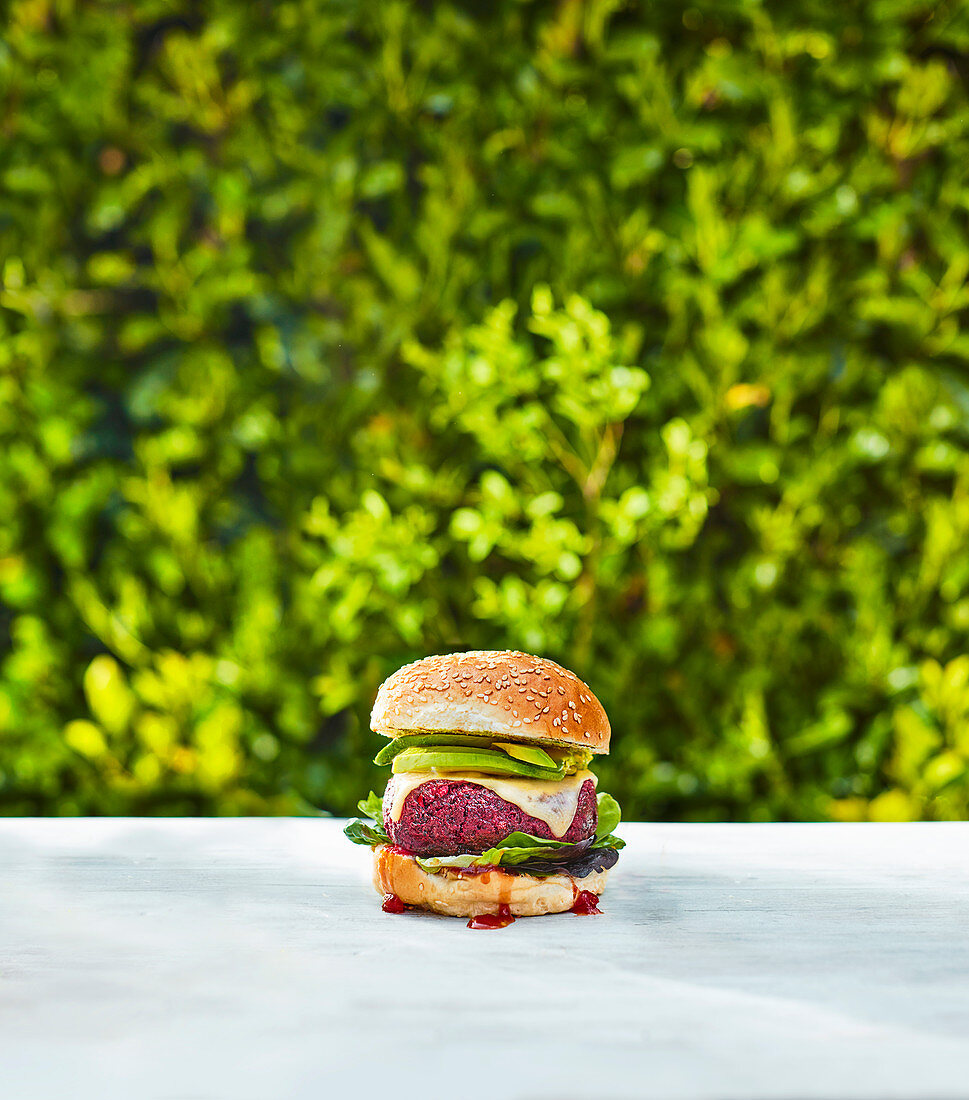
(249, 960)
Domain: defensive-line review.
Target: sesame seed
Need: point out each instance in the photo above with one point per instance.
(556, 721)
(561, 691)
(544, 710)
(585, 733)
(516, 723)
(515, 712)
(571, 705)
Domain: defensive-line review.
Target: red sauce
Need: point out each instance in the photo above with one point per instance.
(501, 919)
(586, 903)
(392, 904)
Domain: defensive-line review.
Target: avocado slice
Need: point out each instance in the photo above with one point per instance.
(392, 748)
(474, 760)
(528, 754)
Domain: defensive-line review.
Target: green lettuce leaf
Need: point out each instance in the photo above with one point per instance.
(517, 848)
(372, 832)
(609, 815)
(365, 832)
(372, 806)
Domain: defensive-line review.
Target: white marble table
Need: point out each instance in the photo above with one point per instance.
(249, 960)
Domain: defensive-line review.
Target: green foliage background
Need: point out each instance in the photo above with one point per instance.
(335, 333)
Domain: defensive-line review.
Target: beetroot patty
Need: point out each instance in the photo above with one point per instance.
(444, 818)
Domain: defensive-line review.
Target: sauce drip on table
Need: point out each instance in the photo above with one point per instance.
(586, 903)
(501, 919)
(392, 904)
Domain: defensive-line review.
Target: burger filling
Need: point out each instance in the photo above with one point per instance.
(459, 803)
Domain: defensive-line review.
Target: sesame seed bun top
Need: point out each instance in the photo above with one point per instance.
(498, 693)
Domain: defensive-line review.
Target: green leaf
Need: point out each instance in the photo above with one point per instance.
(371, 832)
(609, 814)
(365, 832)
(518, 848)
(611, 841)
(372, 806)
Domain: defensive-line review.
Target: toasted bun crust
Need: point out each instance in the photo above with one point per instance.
(395, 872)
(504, 693)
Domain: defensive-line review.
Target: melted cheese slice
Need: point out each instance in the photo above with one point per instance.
(553, 801)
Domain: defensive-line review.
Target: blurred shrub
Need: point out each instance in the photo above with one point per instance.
(334, 334)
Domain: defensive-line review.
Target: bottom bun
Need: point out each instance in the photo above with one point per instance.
(472, 895)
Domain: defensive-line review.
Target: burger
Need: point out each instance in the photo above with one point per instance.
(491, 811)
